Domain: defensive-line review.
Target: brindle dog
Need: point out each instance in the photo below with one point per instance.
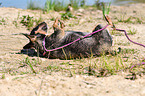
(93, 45)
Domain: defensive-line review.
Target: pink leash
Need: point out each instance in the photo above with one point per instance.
(134, 43)
(129, 38)
(90, 35)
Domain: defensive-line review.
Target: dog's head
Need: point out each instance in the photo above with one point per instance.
(36, 41)
(39, 29)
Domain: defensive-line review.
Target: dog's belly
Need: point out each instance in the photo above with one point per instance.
(82, 48)
(85, 47)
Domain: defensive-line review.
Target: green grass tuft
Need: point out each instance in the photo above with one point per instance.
(67, 16)
(55, 5)
(33, 5)
(130, 19)
(28, 62)
(3, 21)
(75, 3)
(29, 21)
(106, 9)
(132, 31)
(49, 5)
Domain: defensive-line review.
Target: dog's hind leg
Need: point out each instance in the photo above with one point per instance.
(58, 30)
(103, 39)
(56, 24)
(103, 35)
(61, 24)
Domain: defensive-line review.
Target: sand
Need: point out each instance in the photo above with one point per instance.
(20, 81)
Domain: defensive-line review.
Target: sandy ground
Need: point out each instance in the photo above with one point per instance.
(14, 82)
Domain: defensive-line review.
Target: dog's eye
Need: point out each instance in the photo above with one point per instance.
(44, 28)
(38, 35)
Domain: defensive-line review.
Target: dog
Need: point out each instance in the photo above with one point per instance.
(94, 45)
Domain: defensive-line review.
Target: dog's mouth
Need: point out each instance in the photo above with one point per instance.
(30, 52)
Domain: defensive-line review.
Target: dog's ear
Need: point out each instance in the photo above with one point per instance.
(32, 38)
(40, 28)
